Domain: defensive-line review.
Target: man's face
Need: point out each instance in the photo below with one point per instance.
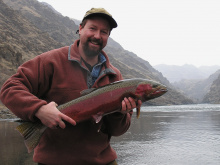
(94, 36)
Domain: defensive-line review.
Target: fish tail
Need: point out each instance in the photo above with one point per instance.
(31, 133)
(138, 111)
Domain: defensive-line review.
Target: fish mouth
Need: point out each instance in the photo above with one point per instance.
(161, 90)
(158, 92)
(164, 90)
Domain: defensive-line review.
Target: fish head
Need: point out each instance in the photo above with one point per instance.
(147, 90)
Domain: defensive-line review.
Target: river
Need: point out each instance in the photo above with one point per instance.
(163, 135)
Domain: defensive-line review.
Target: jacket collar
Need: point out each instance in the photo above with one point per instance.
(73, 55)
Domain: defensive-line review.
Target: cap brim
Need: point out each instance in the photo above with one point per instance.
(111, 20)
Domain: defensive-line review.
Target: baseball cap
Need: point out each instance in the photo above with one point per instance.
(103, 13)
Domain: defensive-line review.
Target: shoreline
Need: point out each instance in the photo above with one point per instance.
(6, 114)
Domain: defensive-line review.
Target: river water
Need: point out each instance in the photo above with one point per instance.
(163, 135)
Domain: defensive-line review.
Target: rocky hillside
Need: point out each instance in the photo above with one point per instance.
(44, 17)
(196, 89)
(213, 96)
(20, 40)
(29, 28)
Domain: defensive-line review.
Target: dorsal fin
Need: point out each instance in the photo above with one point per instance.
(87, 91)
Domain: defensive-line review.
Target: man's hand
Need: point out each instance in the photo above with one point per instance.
(128, 104)
(52, 117)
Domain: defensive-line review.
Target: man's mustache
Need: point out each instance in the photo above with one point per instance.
(97, 41)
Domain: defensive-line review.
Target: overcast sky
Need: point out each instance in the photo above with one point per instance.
(173, 32)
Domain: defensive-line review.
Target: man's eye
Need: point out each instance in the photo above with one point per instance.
(104, 32)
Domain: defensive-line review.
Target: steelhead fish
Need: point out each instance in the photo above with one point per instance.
(94, 104)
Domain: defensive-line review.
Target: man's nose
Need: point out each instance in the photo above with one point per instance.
(97, 34)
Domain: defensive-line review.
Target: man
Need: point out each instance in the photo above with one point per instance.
(58, 76)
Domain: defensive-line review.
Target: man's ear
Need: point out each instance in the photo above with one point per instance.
(80, 28)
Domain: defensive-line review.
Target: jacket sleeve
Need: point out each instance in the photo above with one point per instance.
(117, 123)
(20, 93)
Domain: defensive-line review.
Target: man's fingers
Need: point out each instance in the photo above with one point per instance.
(53, 103)
(132, 102)
(61, 125)
(128, 104)
(68, 119)
(123, 106)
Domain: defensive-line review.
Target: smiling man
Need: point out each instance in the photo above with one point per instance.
(58, 76)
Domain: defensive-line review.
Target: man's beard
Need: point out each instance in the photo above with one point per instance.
(92, 52)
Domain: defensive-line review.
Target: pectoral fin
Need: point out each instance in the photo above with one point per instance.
(97, 118)
(138, 110)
